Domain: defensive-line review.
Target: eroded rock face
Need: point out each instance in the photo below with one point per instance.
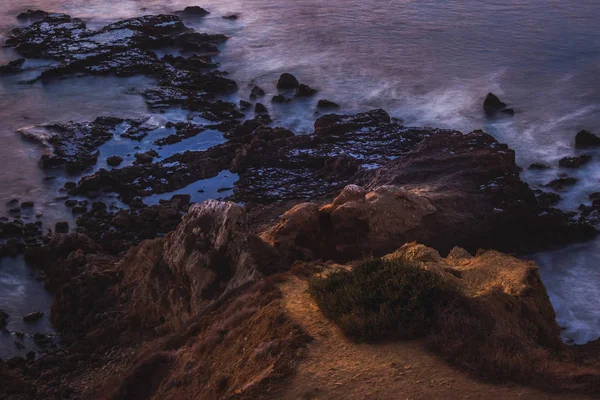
(210, 254)
(357, 223)
(505, 287)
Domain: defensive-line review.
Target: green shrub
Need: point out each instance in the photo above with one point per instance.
(383, 299)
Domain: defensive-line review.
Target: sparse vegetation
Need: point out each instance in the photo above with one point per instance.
(394, 299)
(383, 299)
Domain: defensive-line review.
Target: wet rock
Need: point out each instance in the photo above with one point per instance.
(585, 139)
(143, 158)
(492, 104)
(114, 161)
(61, 227)
(339, 124)
(305, 91)
(279, 98)
(194, 11)
(183, 130)
(71, 203)
(287, 81)
(508, 111)
(260, 108)
(27, 204)
(231, 17)
(327, 105)
(256, 92)
(538, 166)
(575, 162)
(562, 183)
(19, 345)
(72, 145)
(547, 199)
(32, 15)
(245, 105)
(79, 209)
(34, 316)
(12, 67)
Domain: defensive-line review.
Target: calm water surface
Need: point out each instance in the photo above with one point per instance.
(427, 62)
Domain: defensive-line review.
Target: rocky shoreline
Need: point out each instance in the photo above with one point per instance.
(188, 295)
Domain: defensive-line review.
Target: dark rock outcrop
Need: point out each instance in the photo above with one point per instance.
(287, 81)
(585, 139)
(575, 162)
(492, 104)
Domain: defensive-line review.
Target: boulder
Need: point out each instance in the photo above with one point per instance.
(287, 81)
(575, 162)
(194, 11)
(492, 104)
(355, 223)
(260, 108)
(256, 92)
(114, 161)
(305, 91)
(585, 139)
(61, 227)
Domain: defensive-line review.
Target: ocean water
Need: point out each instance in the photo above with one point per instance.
(428, 62)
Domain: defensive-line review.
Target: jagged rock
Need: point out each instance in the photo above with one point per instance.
(260, 108)
(339, 124)
(287, 81)
(547, 199)
(72, 145)
(575, 162)
(586, 139)
(210, 254)
(305, 91)
(492, 104)
(562, 183)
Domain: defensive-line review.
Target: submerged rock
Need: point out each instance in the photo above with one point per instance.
(327, 105)
(305, 91)
(12, 67)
